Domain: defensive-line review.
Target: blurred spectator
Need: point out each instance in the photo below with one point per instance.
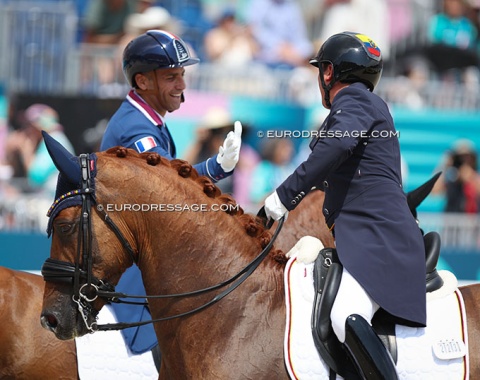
(28, 155)
(369, 17)
(409, 88)
(274, 168)
(242, 178)
(229, 42)
(153, 17)
(211, 133)
(143, 5)
(105, 19)
(191, 14)
(400, 20)
(453, 38)
(452, 27)
(460, 180)
(103, 25)
(473, 13)
(279, 29)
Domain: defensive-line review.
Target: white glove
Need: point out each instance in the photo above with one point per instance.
(274, 207)
(229, 152)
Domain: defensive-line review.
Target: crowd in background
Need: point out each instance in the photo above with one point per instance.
(285, 33)
(280, 35)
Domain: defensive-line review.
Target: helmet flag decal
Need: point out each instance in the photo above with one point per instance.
(371, 47)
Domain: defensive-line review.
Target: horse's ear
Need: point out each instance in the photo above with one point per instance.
(66, 162)
(417, 196)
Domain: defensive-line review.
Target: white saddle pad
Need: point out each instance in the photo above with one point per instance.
(438, 351)
(104, 355)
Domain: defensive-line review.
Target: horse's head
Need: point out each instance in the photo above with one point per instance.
(75, 272)
(118, 207)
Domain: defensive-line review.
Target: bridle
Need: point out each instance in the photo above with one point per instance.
(87, 288)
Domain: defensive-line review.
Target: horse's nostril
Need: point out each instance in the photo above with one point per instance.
(49, 321)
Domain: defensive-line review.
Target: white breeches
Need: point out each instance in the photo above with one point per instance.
(351, 299)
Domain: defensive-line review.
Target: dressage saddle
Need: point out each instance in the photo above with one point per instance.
(327, 274)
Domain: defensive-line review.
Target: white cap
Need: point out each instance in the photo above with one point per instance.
(151, 18)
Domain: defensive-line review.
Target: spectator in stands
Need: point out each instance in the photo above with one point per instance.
(275, 167)
(369, 16)
(400, 20)
(229, 43)
(105, 19)
(193, 20)
(210, 135)
(409, 88)
(242, 178)
(451, 26)
(453, 38)
(460, 179)
(25, 147)
(154, 17)
(279, 29)
(143, 5)
(103, 26)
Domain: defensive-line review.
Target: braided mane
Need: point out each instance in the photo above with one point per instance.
(251, 224)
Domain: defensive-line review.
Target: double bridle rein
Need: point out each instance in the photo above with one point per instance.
(87, 288)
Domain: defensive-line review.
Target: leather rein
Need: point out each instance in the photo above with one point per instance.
(87, 292)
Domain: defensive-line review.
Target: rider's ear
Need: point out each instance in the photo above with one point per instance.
(142, 81)
(327, 72)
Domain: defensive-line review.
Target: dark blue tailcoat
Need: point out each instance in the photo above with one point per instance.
(356, 160)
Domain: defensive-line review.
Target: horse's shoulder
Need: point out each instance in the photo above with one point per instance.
(10, 278)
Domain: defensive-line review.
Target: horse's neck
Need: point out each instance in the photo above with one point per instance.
(194, 250)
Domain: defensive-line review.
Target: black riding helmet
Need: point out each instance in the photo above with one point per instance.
(155, 49)
(354, 57)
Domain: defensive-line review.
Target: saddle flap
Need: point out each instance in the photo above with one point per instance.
(327, 274)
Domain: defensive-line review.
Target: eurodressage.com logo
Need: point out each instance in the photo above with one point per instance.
(296, 134)
(168, 207)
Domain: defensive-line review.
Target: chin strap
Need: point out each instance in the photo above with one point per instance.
(326, 88)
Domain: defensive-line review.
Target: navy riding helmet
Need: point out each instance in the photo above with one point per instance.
(155, 49)
(354, 57)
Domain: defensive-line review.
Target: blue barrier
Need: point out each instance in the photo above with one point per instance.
(23, 250)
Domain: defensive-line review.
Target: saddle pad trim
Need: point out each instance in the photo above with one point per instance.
(463, 317)
(286, 345)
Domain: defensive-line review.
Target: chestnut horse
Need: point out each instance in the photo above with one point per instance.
(177, 253)
(28, 352)
(33, 353)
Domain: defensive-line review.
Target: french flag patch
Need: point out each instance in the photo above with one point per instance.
(145, 143)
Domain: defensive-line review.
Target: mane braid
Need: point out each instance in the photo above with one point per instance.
(251, 224)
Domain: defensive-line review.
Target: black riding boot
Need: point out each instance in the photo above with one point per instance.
(370, 356)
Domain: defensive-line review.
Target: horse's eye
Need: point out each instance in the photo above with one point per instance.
(65, 228)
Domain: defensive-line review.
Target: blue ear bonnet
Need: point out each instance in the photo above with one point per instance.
(70, 186)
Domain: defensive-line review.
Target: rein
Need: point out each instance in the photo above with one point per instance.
(237, 280)
(83, 295)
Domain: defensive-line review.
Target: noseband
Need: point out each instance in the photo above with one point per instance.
(87, 288)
